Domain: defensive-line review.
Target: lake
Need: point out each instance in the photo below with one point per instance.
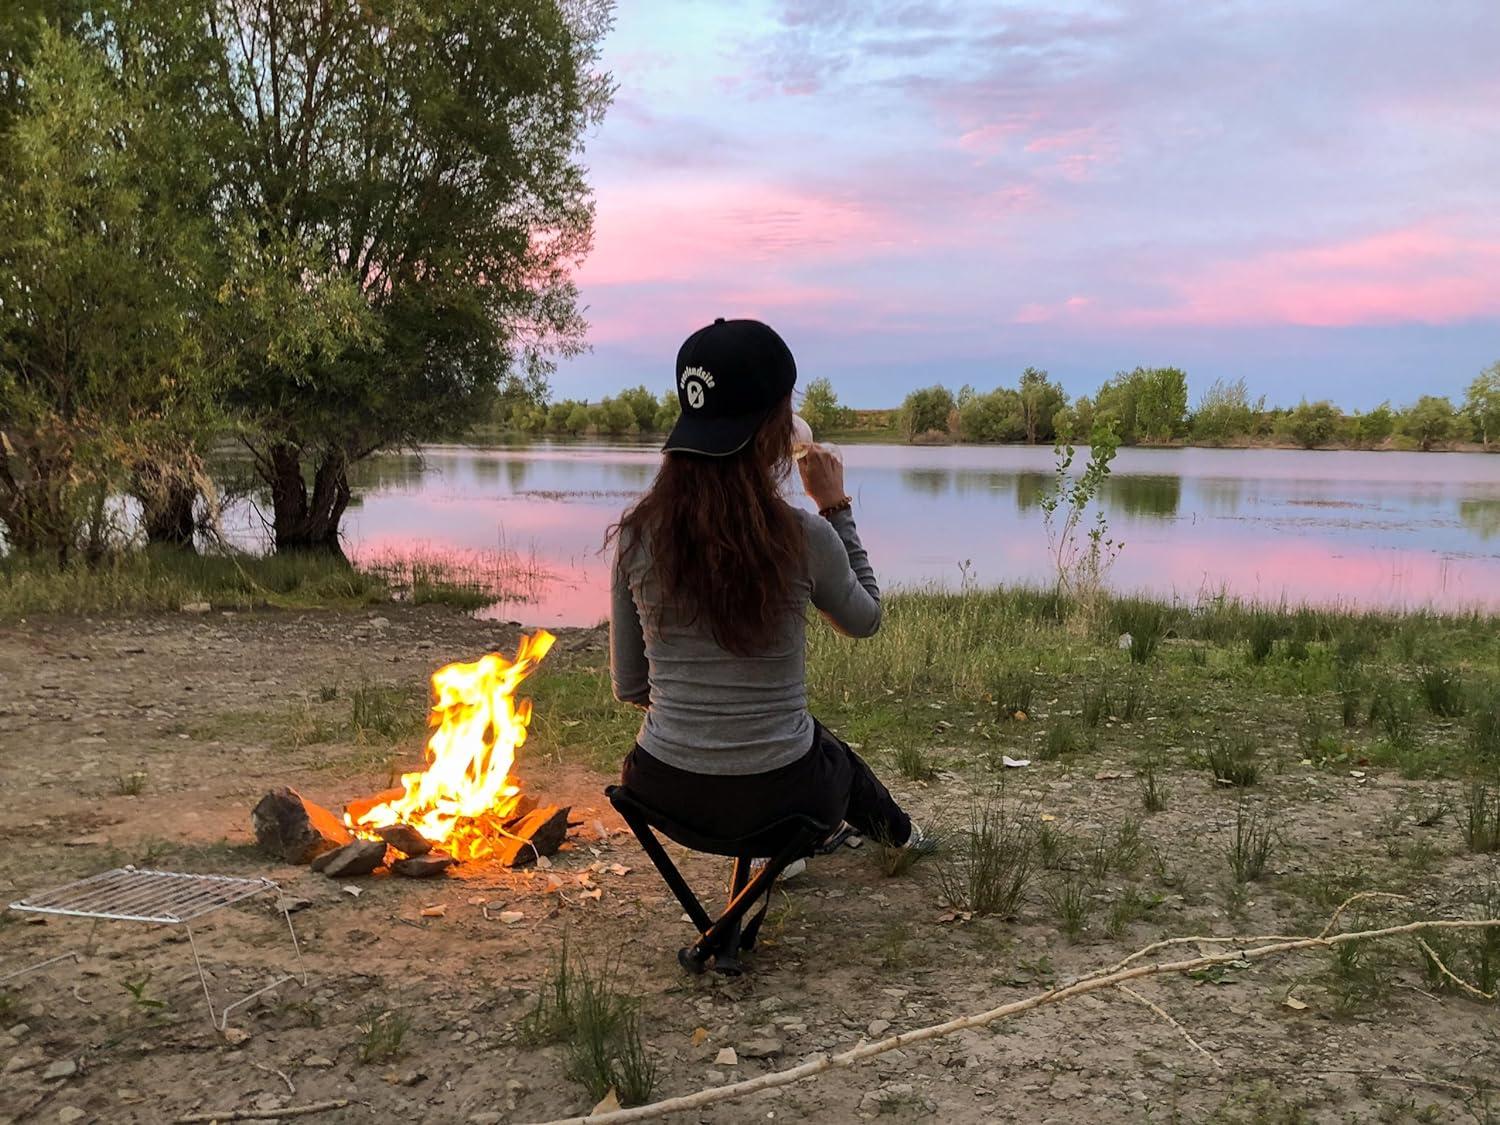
(1372, 529)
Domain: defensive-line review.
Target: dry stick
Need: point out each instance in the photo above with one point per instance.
(263, 1114)
(290, 1089)
(1442, 968)
(1167, 1019)
(865, 1051)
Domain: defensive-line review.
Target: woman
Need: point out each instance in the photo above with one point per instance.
(713, 574)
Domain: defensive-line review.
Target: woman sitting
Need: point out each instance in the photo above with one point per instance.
(713, 573)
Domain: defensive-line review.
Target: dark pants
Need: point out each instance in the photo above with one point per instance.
(829, 783)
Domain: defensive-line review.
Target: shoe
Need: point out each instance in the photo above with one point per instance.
(844, 835)
(790, 871)
(919, 841)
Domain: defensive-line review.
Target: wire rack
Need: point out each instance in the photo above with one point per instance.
(171, 898)
(130, 894)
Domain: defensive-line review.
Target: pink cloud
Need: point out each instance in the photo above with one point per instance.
(663, 231)
(1413, 274)
(1044, 313)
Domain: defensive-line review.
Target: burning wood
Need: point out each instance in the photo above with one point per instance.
(464, 797)
(292, 828)
(462, 806)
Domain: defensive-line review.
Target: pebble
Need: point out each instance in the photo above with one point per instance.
(18, 1031)
(877, 1028)
(70, 1113)
(760, 1048)
(62, 1068)
(319, 1061)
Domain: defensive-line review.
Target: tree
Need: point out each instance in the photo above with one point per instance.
(1040, 400)
(578, 419)
(996, 417)
(667, 413)
(642, 404)
(426, 153)
(1224, 412)
(1312, 424)
(1161, 406)
(820, 408)
(1482, 404)
(1374, 426)
(1429, 421)
(103, 297)
(926, 411)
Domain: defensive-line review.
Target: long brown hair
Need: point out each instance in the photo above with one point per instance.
(725, 548)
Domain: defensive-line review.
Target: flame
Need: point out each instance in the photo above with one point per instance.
(463, 797)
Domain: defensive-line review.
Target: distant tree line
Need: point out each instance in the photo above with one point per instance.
(314, 230)
(1149, 405)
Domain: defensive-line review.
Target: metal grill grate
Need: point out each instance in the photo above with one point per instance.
(175, 898)
(128, 894)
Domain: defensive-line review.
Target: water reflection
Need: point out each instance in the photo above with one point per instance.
(1153, 497)
(1371, 528)
(1481, 515)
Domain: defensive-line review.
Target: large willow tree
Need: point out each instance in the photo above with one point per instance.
(425, 155)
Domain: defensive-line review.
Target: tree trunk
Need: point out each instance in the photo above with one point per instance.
(167, 502)
(308, 520)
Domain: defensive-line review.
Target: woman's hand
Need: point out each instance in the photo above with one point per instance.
(822, 477)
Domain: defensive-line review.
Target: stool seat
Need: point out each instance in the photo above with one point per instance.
(721, 939)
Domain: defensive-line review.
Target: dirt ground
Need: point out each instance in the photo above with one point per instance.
(91, 710)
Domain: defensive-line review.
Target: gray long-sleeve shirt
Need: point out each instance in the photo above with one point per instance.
(710, 710)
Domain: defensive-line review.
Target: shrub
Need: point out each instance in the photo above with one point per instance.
(1443, 689)
(991, 864)
(1233, 763)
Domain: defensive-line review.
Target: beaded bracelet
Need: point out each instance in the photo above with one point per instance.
(843, 505)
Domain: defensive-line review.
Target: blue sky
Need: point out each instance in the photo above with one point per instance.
(1300, 192)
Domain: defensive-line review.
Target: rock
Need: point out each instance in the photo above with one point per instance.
(62, 1068)
(18, 1031)
(321, 1062)
(760, 1048)
(361, 857)
(70, 1113)
(423, 866)
(538, 833)
(290, 827)
(486, 1117)
(196, 607)
(236, 1036)
(726, 1057)
(290, 904)
(405, 839)
(878, 1028)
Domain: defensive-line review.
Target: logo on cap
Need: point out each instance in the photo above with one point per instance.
(694, 382)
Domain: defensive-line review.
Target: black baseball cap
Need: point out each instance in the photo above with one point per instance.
(730, 376)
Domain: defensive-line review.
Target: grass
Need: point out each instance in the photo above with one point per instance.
(913, 763)
(131, 784)
(1061, 741)
(1255, 838)
(382, 1035)
(990, 864)
(1072, 902)
(599, 1027)
(1154, 791)
(167, 580)
(1481, 823)
(1442, 688)
(1232, 762)
(1144, 622)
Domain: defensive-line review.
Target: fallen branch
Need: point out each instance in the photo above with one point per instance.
(262, 1114)
(1161, 1013)
(1450, 975)
(1109, 979)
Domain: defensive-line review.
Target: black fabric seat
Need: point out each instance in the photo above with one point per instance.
(720, 939)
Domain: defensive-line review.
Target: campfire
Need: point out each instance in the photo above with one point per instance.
(463, 805)
(464, 797)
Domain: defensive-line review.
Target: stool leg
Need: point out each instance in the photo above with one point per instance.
(727, 959)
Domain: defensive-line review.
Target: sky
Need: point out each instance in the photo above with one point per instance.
(1302, 193)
